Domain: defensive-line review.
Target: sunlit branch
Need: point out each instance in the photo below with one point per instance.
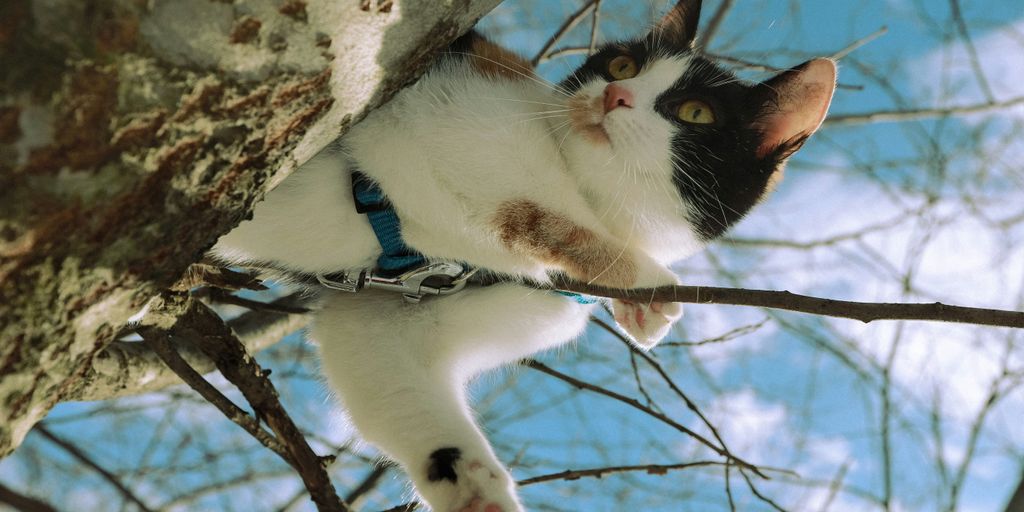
(567, 26)
(891, 116)
(863, 311)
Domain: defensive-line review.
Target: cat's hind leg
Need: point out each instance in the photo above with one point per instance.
(404, 394)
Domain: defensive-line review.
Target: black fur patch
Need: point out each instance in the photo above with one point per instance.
(716, 169)
(442, 465)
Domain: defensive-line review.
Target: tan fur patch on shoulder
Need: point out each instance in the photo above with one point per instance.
(527, 228)
(497, 62)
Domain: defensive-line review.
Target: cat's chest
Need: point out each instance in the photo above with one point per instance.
(460, 124)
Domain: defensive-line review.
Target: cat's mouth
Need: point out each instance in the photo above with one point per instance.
(586, 117)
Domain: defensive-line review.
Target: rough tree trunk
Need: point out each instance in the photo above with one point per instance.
(134, 133)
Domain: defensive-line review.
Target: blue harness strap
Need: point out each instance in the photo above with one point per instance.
(578, 297)
(396, 257)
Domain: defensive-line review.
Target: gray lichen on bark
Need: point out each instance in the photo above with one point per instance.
(133, 134)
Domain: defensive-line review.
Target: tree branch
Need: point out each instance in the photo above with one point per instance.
(130, 368)
(80, 456)
(864, 311)
(580, 384)
(567, 26)
(228, 353)
(23, 503)
(922, 113)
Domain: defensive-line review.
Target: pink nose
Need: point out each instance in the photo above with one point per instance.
(616, 96)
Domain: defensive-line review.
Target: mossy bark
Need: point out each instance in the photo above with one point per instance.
(133, 134)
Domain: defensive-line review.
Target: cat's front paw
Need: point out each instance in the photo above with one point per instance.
(646, 322)
(461, 482)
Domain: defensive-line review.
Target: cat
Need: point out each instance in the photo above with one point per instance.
(639, 158)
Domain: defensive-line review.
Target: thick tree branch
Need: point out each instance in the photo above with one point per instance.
(131, 368)
(863, 311)
(179, 313)
(23, 503)
(182, 133)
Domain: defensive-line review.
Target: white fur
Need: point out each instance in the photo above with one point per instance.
(447, 151)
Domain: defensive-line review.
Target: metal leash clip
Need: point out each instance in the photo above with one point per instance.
(432, 279)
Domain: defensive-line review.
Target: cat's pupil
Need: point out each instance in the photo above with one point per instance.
(696, 114)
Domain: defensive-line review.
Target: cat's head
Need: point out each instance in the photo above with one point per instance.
(653, 112)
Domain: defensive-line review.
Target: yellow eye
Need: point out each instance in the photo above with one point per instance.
(622, 67)
(696, 112)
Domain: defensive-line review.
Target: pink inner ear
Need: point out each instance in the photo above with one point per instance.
(803, 98)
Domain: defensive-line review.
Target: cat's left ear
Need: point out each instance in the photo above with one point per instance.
(795, 104)
(679, 25)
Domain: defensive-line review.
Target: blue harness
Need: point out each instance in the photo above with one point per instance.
(397, 258)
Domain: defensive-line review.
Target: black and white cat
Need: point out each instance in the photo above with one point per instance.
(638, 159)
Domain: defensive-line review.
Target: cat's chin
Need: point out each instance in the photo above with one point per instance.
(595, 134)
(586, 118)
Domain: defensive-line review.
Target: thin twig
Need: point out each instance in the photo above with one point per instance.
(650, 469)
(728, 336)
(580, 384)
(714, 24)
(892, 116)
(567, 25)
(665, 377)
(972, 52)
(221, 296)
(863, 311)
(80, 456)
(850, 48)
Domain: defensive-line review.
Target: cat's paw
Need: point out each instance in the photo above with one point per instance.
(460, 482)
(652, 274)
(646, 322)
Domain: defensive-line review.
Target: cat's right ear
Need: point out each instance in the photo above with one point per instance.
(679, 26)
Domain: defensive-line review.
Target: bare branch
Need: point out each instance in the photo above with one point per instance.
(961, 28)
(714, 24)
(80, 456)
(228, 353)
(863, 311)
(892, 116)
(850, 48)
(160, 342)
(650, 469)
(579, 384)
(130, 368)
(569, 24)
(23, 503)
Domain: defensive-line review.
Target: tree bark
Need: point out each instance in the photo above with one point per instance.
(133, 134)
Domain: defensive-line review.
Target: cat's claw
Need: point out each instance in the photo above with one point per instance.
(646, 322)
